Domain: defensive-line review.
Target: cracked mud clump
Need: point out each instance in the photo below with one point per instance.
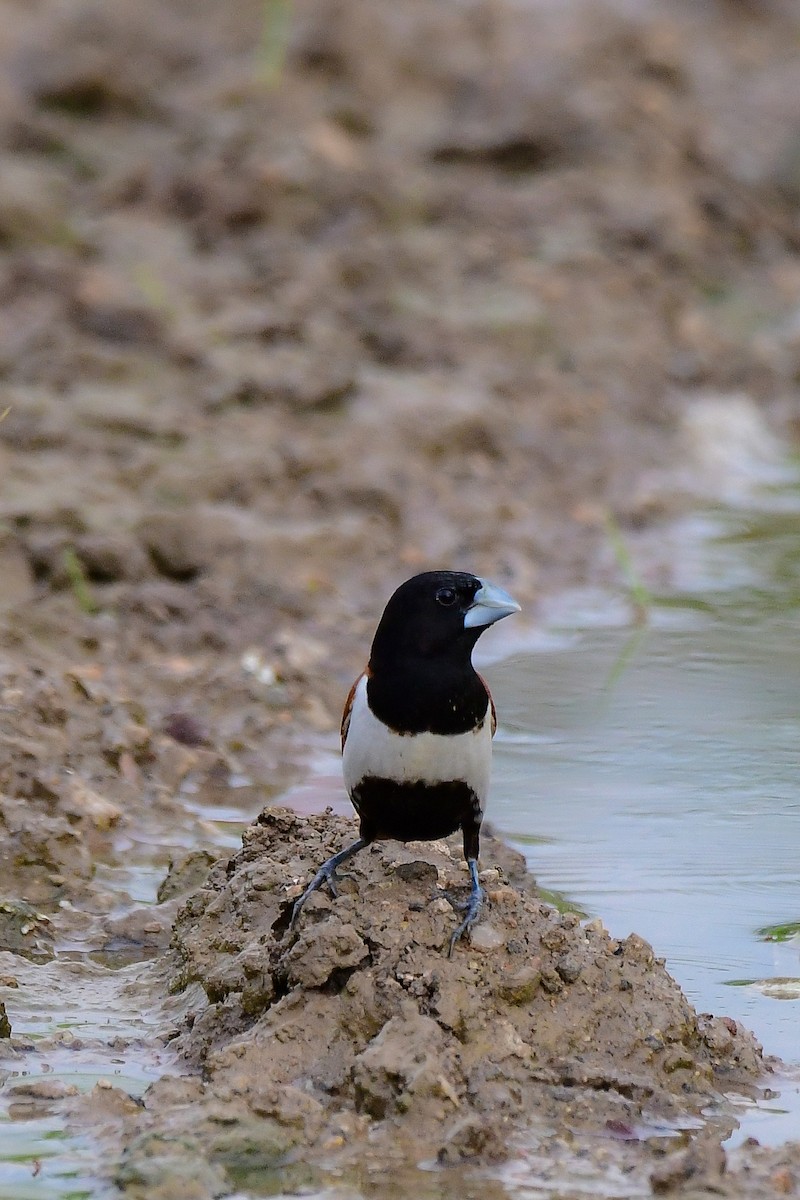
(356, 1036)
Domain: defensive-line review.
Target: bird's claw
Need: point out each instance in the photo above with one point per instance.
(473, 907)
(326, 874)
(322, 876)
(458, 905)
(330, 879)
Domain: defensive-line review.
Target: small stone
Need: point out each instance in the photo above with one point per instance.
(186, 874)
(552, 981)
(486, 937)
(109, 305)
(137, 928)
(677, 1060)
(42, 1089)
(635, 949)
(448, 1091)
(186, 728)
(473, 1137)
(569, 968)
(717, 1034)
(176, 543)
(322, 950)
(417, 872)
(25, 931)
(81, 801)
(521, 986)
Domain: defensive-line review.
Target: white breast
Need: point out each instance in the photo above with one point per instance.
(372, 749)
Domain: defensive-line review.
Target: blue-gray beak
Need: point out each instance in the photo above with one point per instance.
(491, 604)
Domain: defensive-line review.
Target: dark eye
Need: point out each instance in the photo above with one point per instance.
(446, 596)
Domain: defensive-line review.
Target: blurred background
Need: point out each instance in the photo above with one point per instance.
(298, 297)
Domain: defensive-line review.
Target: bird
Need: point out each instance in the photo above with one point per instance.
(418, 725)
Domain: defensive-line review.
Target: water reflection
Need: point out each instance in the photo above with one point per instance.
(657, 770)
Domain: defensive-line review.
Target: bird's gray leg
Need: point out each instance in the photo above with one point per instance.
(326, 874)
(473, 905)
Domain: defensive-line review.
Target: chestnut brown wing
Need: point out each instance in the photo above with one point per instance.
(491, 703)
(348, 708)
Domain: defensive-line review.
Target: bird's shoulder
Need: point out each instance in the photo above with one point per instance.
(348, 705)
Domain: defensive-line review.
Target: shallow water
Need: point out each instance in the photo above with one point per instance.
(650, 775)
(83, 1024)
(664, 797)
(89, 1016)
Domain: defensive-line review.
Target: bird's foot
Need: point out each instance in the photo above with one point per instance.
(473, 907)
(458, 905)
(326, 874)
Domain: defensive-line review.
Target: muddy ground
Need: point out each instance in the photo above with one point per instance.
(295, 300)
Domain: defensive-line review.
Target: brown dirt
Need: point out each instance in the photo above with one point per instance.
(362, 1021)
(428, 285)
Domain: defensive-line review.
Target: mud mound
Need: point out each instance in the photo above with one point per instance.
(358, 1027)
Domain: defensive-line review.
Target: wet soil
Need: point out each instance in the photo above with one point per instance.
(293, 302)
(411, 1054)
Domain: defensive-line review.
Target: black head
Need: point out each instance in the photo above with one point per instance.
(438, 613)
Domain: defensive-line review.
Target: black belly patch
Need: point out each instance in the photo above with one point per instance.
(411, 812)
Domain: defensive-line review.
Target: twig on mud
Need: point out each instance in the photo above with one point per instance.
(5, 413)
(79, 583)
